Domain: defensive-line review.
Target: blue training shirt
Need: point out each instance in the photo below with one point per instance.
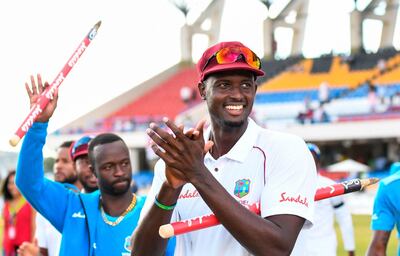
(386, 213)
(115, 240)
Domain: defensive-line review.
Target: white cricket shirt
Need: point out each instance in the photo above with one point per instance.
(47, 236)
(272, 168)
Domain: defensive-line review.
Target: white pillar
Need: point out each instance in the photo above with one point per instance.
(268, 38)
(389, 22)
(355, 31)
(186, 43)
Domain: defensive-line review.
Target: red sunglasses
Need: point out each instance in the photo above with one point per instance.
(231, 54)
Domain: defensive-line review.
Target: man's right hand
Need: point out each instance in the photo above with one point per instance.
(34, 91)
(175, 178)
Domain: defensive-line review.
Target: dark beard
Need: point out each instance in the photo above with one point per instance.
(89, 189)
(233, 124)
(119, 192)
(70, 179)
(112, 191)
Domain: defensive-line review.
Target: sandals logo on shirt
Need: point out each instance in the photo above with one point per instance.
(295, 199)
(242, 188)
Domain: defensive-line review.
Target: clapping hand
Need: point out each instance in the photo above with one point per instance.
(179, 150)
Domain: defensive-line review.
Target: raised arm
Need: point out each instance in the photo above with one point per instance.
(45, 196)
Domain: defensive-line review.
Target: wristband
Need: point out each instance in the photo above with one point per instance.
(163, 206)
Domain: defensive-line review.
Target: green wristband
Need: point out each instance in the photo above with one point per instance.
(163, 206)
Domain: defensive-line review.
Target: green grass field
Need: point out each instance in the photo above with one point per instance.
(363, 236)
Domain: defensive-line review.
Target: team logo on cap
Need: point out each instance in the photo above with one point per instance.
(242, 188)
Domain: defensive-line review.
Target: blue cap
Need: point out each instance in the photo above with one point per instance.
(314, 149)
(80, 147)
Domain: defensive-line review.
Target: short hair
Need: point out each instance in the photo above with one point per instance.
(4, 189)
(101, 139)
(66, 144)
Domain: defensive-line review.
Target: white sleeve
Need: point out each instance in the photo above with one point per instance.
(291, 180)
(40, 232)
(343, 217)
(158, 180)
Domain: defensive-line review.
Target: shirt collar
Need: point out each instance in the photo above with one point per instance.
(243, 146)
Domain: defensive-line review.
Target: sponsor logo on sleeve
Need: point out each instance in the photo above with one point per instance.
(294, 199)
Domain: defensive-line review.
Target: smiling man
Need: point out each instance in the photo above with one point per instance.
(246, 164)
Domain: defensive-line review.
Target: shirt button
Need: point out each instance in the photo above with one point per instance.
(216, 169)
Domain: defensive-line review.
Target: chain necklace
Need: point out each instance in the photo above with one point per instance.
(122, 216)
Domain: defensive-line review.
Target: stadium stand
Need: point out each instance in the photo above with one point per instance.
(362, 61)
(149, 104)
(322, 64)
(358, 92)
(282, 93)
(274, 67)
(294, 95)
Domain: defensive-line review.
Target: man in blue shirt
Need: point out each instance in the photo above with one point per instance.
(99, 223)
(386, 213)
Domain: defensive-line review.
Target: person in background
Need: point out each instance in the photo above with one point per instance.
(18, 215)
(320, 240)
(323, 93)
(386, 212)
(47, 238)
(80, 157)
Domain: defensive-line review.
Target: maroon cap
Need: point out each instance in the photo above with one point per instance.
(80, 147)
(213, 66)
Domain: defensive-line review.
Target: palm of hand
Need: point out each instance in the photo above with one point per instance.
(47, 112)
(34, 93)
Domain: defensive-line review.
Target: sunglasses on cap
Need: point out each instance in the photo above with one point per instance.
(79, 144)
(232, 54)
